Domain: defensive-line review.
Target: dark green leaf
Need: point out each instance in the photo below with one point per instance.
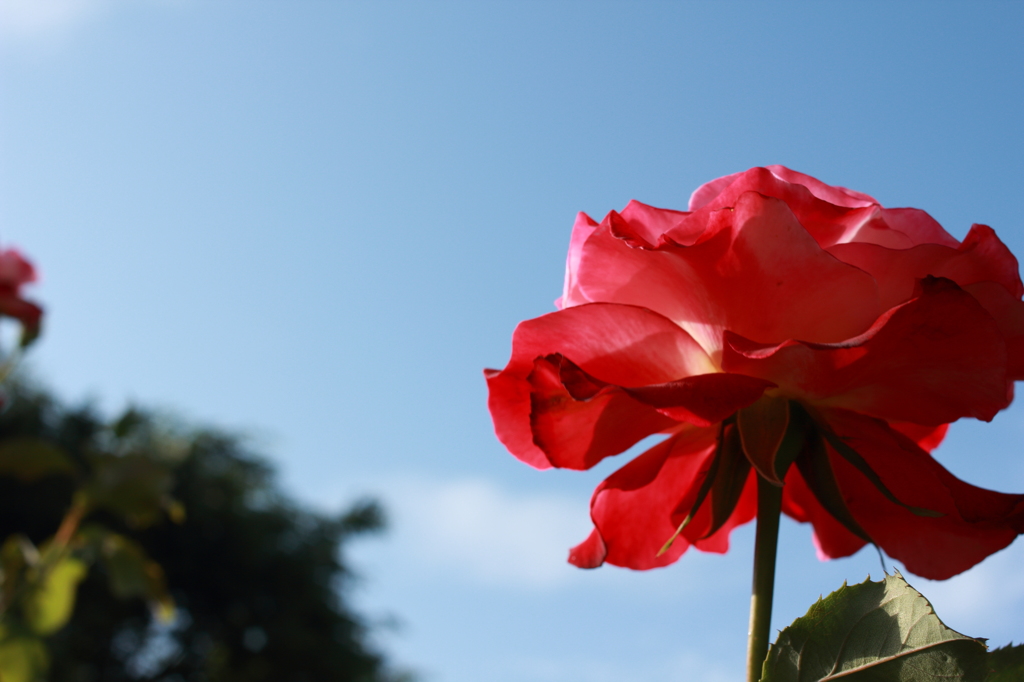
(128, 423)
(794, 440)
(131, 572)
(1007, 664)
(874, 632)
(814, 465)
(854, 458)
(729, 481)
(30, 459)
(16, 554)
(133, 486)
(29, 334)
(364, 515)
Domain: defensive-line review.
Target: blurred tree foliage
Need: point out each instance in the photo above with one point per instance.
(237, 583)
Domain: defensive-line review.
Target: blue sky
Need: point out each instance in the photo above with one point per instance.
(316, 221)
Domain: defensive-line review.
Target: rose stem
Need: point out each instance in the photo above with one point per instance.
(769, 505)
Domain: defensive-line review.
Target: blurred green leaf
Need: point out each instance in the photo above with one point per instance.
(30, 459)
(874, 632)
(22, 659)
(1007, 664)
(29, 334)
(49, 602)
(133, 486)
(175, 510)
(128, 423)
(16, 554)
(130, 571)
(361, 517)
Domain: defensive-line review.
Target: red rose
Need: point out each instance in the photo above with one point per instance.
(776, 308)
(16, 271)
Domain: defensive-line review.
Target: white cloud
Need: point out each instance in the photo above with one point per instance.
(685, 666)
(38, 18)
(491, 536)
(31, 22)
(472, 530)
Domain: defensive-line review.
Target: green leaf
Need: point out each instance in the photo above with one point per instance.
(129, 423)
(133, 486)
(29, 333)
(48, 604)
(22, 659)
(729, 481)
(874, 632)
(131, 572)
(854, 458)
(1007, 664)
(30, 459)
(16, 554)
(816, 468)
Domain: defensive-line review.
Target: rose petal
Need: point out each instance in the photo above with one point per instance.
(709, 191)
(776, 181)
(650, 224)
(765, 278)
(917, 225)
(762, 427)
(744, 512)
(1008, 312)
(621, 345)
(15, 270)
(834, 194)
(577, 432)
(930, 361)
(581, 231)
(633, 508)
(731, 503)
(981, 257)
(702, 400)
(975, 522)
(867, 225)
(984, 257)
(927, 437)
(29, 314)
(590, 553)
(829, 214)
